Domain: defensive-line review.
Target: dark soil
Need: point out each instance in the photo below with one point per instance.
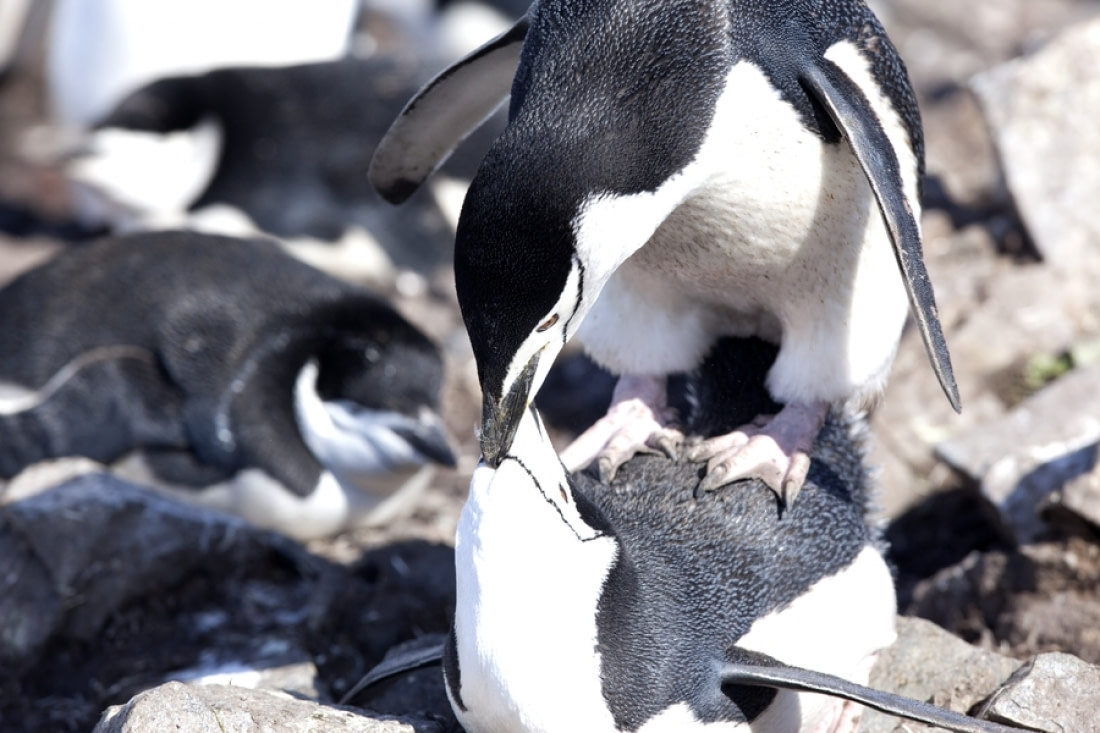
(275, 608)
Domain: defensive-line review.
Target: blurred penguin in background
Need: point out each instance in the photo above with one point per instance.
(295, 145)
(226, 372)
(258, 142)
(99, 51)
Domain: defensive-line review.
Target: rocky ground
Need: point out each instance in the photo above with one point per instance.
(995, 513)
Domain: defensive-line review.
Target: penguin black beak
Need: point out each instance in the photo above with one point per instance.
(500, 417)
(429, 436)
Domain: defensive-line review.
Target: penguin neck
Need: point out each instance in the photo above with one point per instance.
(629, 221)
(530, 572)
(315, 423)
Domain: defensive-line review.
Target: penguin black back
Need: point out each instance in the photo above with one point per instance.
(730, 558)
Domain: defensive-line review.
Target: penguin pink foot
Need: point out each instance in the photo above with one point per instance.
(638, 421)
(777, 452)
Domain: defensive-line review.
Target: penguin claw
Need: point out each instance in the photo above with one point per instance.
(631, 441)
(708, 449)
(668, 442)
(795, 478)
(638, 421)
(777, 453)
(759, 457)
(611, 460)
(608, 467)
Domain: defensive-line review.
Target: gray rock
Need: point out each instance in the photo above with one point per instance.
(226, 709)
(997, 315)
(941, 39)
(1036, 598)
(1042, 110)
(1056, 693)
(1036, 449)
(914, 415)
(107, 590)
(1081, 496)
(30, 605)
(927, 663)
(120, 543)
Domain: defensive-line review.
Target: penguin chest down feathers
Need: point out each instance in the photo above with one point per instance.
(779, 237)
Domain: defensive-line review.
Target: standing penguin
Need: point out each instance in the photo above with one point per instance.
(672, 173)
(635, 606)
(224, 369)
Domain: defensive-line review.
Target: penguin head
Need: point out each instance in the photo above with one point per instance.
(522, 295)
(368, 399)
(535, 246)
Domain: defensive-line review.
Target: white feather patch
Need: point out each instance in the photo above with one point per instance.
(527, 665)
(833, 628)
(353, 444)
(332, 506)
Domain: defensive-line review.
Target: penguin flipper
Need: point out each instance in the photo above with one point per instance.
(451, 106)
(394, 664)
(852, 113)
(766, 672)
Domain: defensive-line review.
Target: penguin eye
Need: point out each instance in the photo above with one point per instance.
(548, 323)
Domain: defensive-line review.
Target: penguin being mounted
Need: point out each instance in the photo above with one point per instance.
(673, 173)
(633, 605)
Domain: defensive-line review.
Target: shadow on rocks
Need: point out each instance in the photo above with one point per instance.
(107, 590)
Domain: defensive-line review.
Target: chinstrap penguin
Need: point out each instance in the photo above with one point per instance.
(293, 145)
(672, 173)
(224, 369)
(635, 605)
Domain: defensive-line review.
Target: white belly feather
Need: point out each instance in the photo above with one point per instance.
(780, 238)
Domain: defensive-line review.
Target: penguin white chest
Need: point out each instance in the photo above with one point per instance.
(778, 236)
(526, 664)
